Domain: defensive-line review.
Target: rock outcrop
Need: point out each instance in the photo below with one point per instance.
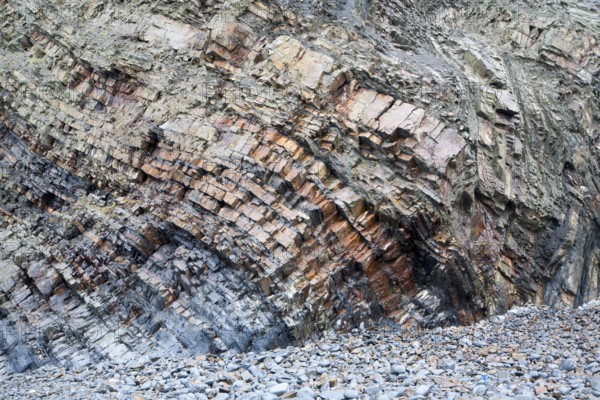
(202, 176)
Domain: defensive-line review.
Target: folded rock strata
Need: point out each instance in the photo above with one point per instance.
(192, 177)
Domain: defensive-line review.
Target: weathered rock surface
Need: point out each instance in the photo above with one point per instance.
(192, 177)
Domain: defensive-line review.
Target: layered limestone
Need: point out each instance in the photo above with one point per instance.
(184, 178)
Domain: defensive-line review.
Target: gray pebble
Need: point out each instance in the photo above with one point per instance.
(568, 364)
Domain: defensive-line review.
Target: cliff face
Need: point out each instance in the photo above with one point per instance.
(187, 177)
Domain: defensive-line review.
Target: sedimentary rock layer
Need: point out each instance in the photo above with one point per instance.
(207, 176)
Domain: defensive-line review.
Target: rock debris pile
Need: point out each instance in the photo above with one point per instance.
(530, 353)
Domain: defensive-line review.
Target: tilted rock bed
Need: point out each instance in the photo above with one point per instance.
(529, 353)
(203, 176)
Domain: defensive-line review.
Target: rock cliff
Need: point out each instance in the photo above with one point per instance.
(183, 177)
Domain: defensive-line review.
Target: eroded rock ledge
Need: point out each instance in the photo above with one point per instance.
(198, 177)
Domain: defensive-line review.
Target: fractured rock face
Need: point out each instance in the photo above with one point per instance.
(184, 178)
